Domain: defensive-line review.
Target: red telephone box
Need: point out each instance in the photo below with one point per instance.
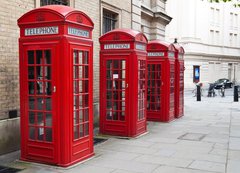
(161, 77)
(56, 79)
(179, 82)
(123, 83)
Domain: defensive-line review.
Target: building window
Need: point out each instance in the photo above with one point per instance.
(52, 2)
(109, 21)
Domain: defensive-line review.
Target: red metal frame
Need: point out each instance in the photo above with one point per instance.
(56, 80)
(161, 77)
(179, 84)
(123, 83)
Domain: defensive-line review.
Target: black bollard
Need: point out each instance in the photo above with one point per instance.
(198, 93)
(235, 93)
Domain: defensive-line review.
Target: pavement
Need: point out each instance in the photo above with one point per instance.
(205, 140)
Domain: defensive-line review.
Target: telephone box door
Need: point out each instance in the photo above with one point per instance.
(154, 93)
(115, 91)
(40, 116)
(82, 109)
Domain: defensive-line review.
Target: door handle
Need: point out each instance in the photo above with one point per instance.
(54, 89)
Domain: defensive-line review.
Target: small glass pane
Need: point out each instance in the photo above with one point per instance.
(75, 131)
(40, 133)
(80, 56)
(85, 85)
(48, 88)
(80, 104)
(75, 102)
(75, 87)
(49, 134)
(40, 119)
(48, 119)
(75, 117)
(123, 74)
(109, 115)
(86, 114)
(31, 117)
(85, 58)
(48, 73)
(47, 56)
(86, 72)
(39, 57)
(85, 99)
(40, 89)
(30, 57)
(48, 103)
(39, 72)
(31, 103)
(32, 133)
(81, 134)
(40, 103)
(81, 116)
(31, 87)
(75, 72)
(75, 58)
(80, 69)
(109, 64)
(31, 72)
(86, 129)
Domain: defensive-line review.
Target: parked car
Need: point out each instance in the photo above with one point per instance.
(223, 82)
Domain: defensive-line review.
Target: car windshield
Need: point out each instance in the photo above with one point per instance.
(220, 80)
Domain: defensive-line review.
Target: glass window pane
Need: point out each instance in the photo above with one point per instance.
(40, 103)
(75, 72)
(75, 117)
(48, 88)
(47, 56)
(49, 134)
(85, 85)
(80, 69)
(40, 119)
(75, 87)
(81, 134)
(31, 87)
(31, 117)
(75, 57)
(85, 58)
(31, 103)
(86, 114)
(81, 116)
(32, 133)
(48, 103)
(48, 119)
(30, 57)
(85, 100)
(39, 57)
(80, 56)
(75, 131)
(48, 73)
(31, 72)
(40, 133)
(86, 72)
(86, 129)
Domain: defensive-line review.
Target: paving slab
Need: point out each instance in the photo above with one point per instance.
(208, 166)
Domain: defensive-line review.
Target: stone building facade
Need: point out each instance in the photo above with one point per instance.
(209, 33)
(148, 16)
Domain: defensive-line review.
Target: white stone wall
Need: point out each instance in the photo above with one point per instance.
(203, 29)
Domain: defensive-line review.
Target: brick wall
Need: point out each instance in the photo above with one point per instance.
(10, 11)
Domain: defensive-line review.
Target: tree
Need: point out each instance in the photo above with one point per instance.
(236, 3)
